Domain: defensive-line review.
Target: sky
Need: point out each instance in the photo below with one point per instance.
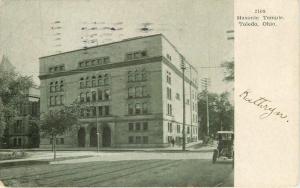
(29, 30)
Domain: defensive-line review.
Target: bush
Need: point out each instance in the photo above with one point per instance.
(12, 155)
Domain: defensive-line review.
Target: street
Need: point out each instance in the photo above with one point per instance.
(123, 169)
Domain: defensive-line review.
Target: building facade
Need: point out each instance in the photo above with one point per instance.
(24, 132)
(130, 91)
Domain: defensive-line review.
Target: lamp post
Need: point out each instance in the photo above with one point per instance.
(183, 102)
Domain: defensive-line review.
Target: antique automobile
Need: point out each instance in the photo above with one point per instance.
(225, 146)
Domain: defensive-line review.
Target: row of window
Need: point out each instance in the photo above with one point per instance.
(137, 75)
(95, 95)
(94, 81)
(138, 91)
(138, 140)
(92, 111)
(57, 68)
(138, 108)
(179, 128)
(94, 62)
(56, 86)
(138, 126)
(136, 55)
(56, 100)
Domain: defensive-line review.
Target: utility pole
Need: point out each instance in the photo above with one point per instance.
(183, 102)
(98, 133)
(205, 82)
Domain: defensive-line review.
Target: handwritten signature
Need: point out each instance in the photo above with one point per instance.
(264, 104)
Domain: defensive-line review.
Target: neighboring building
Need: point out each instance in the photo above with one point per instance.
(133, 87)
(24, 132)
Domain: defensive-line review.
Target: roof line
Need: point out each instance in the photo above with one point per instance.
(129, 39)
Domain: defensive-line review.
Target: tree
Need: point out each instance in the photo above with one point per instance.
(13, 90)
(229, 70)
(58, 122)
(220, 113)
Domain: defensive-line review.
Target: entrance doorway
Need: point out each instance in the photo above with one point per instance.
(106, 138)
(93, 137)
(81, 137)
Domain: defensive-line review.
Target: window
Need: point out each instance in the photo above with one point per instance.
(61, 99)
(94, 95)
(55, 69)
(81, 64)
(100, 108)
(145, 108)
(144, 75)
(93, 62)
(188, 130)
(137, 108)
(94, 111)
(178, 128)
(62, 141)
(136, 55)
(170, 127)
(145, 126)
(137, 75)
(130, 139)
(81, 97)
(130, 76)
(51, 140)
(50, 69)
(131, 92)
(88, 96)
(106, 109)
(100, 80)
(187, 101)
(56, 100)
(168, 77)
(52, 87)
(130, 126)
(81, 112)
(143, 53)
(145, 139)
(106, 60)
(107, 94)
(81, 82)
(138, 139)
(100, 95)
(106, 79)
(169, 93)
(138, 126)
(88, 114)
(94, 81)
(100, 61)
(138, 91)
(130, 109)
(62, 68)
(56, 86)
(61, 87)
(87, 63)
(87, 82)
(169, 110)
(129, 56)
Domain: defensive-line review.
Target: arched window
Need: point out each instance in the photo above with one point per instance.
(51, 87)
(100, 80)
(94, 96)
(106, 79)
(94, 81)
(87, 82)
(137, 108)
(88, 96)
(82, 97)
(100, 95)
(61, 85)
(107, 94)
(81, 82)
(56, 86)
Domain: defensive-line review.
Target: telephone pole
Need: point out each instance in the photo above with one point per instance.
(183, 102)
(205, 82)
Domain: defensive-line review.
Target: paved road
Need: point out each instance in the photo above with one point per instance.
(123, 169)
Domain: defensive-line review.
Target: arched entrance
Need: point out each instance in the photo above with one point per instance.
(81, 137)
(93, 137)
(106, 138)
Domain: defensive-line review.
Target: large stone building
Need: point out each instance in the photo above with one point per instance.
(24, 132)
(132, 88)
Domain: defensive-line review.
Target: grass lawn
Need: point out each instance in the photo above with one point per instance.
(192, 172)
